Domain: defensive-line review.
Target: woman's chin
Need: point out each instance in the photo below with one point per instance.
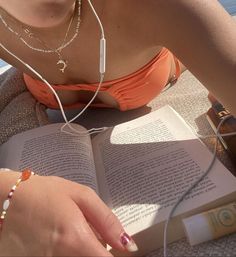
(40, 13)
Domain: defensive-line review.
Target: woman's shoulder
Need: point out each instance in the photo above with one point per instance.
(164, 18)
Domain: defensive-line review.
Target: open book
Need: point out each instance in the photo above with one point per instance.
(139, 168)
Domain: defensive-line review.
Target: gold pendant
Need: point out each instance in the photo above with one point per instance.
(64, 65)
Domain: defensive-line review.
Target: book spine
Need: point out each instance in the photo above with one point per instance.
(214, 115)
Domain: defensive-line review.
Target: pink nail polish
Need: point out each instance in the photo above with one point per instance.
(128, 242)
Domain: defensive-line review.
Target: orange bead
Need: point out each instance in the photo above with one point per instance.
(25, 174)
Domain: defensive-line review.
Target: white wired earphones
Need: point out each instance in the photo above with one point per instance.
(102, 69)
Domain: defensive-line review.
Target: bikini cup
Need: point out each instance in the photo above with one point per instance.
(130, 92)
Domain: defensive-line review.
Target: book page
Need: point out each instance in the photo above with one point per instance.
(146, 164)
(48, 151)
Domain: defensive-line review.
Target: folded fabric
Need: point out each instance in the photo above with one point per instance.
(19, 111)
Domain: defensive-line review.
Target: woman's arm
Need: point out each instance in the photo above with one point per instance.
(203, 36)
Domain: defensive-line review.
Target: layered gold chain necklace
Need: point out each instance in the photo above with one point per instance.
(62, 63)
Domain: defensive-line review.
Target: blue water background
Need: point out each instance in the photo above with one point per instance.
(2, 63)
(230, 6)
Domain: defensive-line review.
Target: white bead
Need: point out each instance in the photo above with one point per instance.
(6, 204)
(11, 193)
(4, 170)
(14, 188)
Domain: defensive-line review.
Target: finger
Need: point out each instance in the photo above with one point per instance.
(103, 220)
(101, 240)
(77, 238)
(91, 244)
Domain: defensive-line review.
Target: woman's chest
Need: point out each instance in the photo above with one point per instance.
(129, 46)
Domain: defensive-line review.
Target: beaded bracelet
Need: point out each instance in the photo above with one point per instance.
(24, 176)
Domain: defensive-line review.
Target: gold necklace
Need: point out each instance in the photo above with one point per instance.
(62, 63)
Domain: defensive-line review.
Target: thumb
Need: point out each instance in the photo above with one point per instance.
(103, 220)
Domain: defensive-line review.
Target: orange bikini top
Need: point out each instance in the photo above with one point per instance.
(130, 92)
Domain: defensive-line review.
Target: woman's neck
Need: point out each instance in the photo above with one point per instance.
(39, 13)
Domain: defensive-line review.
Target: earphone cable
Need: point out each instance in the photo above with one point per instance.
(101, 71)
(181, 198)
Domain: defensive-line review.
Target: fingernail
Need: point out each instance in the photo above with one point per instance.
(128, 242)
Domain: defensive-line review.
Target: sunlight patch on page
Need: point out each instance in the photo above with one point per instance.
(130, 214)
(152, 132)
(164, 127)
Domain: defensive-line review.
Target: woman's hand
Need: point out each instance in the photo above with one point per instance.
(51, 216)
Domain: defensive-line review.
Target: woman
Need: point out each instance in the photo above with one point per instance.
(61, 41)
